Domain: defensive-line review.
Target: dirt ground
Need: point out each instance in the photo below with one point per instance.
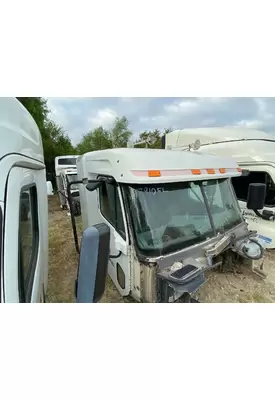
(226, 287)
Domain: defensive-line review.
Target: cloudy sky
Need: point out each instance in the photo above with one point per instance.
(78, 115)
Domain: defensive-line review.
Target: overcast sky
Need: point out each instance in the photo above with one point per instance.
(79, 115)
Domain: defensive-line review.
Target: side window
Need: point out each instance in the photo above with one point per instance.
(241, 185)
(110, 207)
(28, 241)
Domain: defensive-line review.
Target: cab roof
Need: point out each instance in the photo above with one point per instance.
(184, 137)
(133, 165)
(18, 131)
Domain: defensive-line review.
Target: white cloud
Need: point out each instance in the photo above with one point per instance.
(104, 117)
(182, 107)
(58, 113)
(79, 115)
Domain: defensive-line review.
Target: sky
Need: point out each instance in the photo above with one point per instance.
(78, 115)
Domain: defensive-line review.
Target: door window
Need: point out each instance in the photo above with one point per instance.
(110, 207)
(28, 241)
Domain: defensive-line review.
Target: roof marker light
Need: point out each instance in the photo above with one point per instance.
(154, 173)
(196, 171)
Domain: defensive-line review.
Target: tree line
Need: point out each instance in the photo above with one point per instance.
(56, 141)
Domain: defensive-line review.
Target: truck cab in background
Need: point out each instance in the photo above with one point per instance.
(63, 163)
(70, 176)
(254, 151)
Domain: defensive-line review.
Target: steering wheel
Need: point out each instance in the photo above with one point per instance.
(171, 232)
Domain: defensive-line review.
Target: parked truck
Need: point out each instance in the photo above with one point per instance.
(70, 176)
(24, 218)
(171, 218)
(62, 164)
(254, 151)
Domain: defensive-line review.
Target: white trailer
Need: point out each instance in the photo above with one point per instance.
(63, 163)
(254, 151)
(171, 216)
(24, 217)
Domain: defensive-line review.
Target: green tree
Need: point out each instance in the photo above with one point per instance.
(100, 138)
(153, 136)
(37, 107)
(97, 139)
(55, 141)
(120, 134)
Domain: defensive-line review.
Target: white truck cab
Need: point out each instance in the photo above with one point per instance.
(171, 216)
(23, 206)
(254, 151)
(70, 176)
(64, 165)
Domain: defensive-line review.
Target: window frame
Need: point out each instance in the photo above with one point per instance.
(119, 200)
(267, 176)
(144, 254)
(64, 161)
(1, 250)
(25, 285)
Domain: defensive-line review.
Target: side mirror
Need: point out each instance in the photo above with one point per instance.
(93, 264)
(93, 186)
(256, 196)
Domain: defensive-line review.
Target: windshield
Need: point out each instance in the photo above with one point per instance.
(173, 216)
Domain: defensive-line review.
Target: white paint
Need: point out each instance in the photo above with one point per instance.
(21, 164)
(253, 150)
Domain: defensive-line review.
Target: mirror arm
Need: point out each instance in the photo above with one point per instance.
(72, 214)
(83, 181)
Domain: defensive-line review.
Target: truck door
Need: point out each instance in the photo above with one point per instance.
(23, 238)
(112, 212)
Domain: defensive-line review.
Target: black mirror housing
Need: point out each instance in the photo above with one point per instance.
(91, 186)
(93, 264)
(256, 196)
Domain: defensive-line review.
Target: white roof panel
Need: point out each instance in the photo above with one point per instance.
(18, 130)
(183, 137)
(131, 165)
